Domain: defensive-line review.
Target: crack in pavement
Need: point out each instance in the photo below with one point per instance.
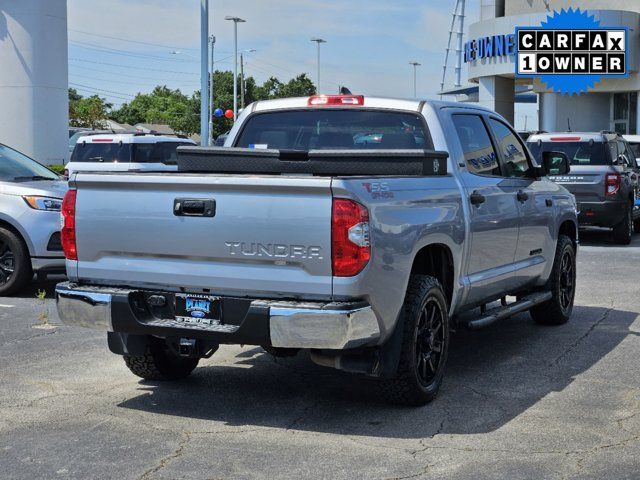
(580, 339)
(186, 436)
(22, 340)
(423, 471)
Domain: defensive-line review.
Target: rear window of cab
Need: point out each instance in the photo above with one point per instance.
(326, 129)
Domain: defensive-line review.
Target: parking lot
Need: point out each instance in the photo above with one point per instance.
(518, 401)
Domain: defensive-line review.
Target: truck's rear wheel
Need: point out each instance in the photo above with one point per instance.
(425, 344)
(160, 363)
(562, 284)
(622, 231)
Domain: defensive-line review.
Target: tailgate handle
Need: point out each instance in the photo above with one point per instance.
(194, 207)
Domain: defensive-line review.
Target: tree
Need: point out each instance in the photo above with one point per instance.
(88, 112)
(162, 105)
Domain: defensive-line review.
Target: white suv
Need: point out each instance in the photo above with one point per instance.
(125, 152)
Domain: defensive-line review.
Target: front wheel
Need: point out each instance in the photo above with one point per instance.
(160, 363)
(425, 344)
(15, 263)
(562, 284)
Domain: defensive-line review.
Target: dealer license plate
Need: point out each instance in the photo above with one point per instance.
(197, 309)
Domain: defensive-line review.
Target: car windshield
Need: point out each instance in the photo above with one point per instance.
(636, 149)
(579, 153)
(16, 167)
(102, 152)
(333, 129)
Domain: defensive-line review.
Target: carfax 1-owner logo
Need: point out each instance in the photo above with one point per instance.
(570, 52)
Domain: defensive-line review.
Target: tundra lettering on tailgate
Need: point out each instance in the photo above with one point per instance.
(275, 250)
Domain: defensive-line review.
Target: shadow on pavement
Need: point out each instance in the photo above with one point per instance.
(492, 376)
(601, 237)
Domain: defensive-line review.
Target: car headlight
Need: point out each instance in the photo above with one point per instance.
(43, 203)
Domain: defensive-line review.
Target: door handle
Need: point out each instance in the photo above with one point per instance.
(549, 202)
(194, 207)
(522, 196)
(477, 198)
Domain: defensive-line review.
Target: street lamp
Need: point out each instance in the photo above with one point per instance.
(212, 44)
(318, 42)
(235, 21)
(204, 73)
(242, 84)
(415, 65)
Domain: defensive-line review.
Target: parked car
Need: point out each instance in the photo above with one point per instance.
(220, 140)
(82, 132)
(634, 142)
(367, 259)
(30, 200)
(125, 152)
(604, 178)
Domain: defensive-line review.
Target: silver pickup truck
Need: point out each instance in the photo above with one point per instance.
(360, 229)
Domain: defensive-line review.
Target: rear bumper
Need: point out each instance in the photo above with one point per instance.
(285, 324)
(602, 214)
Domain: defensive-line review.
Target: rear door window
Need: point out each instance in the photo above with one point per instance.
(479, 154)
(102, 152)
(330, 129)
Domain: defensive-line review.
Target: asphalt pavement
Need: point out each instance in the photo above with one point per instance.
(519, 401)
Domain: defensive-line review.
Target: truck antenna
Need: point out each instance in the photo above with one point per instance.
(568, 124)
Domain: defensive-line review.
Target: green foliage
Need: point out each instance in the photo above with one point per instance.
(59, 169)
(182, 112)
(88, 112)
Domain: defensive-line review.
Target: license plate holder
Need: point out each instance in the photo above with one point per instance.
(196, 309)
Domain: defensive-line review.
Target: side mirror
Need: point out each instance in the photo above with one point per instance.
(554, 163)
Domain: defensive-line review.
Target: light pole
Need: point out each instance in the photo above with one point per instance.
(415, 85)
(318, 42)
(235, 21)
(212, 42)
(242, 84)
(204, 72)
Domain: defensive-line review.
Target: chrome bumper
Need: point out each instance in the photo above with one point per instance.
(333, 326)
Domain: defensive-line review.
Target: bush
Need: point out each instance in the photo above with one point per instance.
(59, 169)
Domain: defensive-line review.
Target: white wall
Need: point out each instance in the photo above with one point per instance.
(586, 113)
(34, 78)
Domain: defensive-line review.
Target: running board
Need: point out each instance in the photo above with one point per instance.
(498, 313)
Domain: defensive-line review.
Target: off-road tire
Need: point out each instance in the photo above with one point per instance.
(405, 388)
(558, 310)
(160, 363)
(22, 273)
(622, 231)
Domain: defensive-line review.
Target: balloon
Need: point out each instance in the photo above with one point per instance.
(228, 114)
(218, 112)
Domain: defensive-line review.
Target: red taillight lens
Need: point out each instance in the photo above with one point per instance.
(344, 100)
(350, 243)
(68, 232)
(611, 184)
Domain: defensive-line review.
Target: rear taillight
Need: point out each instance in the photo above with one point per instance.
(350, 242)
(68, 231)
(611, 184)
(345, 100)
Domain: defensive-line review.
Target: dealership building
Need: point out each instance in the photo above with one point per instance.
(489, 54)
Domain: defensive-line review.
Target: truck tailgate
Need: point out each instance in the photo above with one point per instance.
(267, 232)
(585, 182)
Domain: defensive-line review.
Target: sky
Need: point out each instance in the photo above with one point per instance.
(118, 48)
